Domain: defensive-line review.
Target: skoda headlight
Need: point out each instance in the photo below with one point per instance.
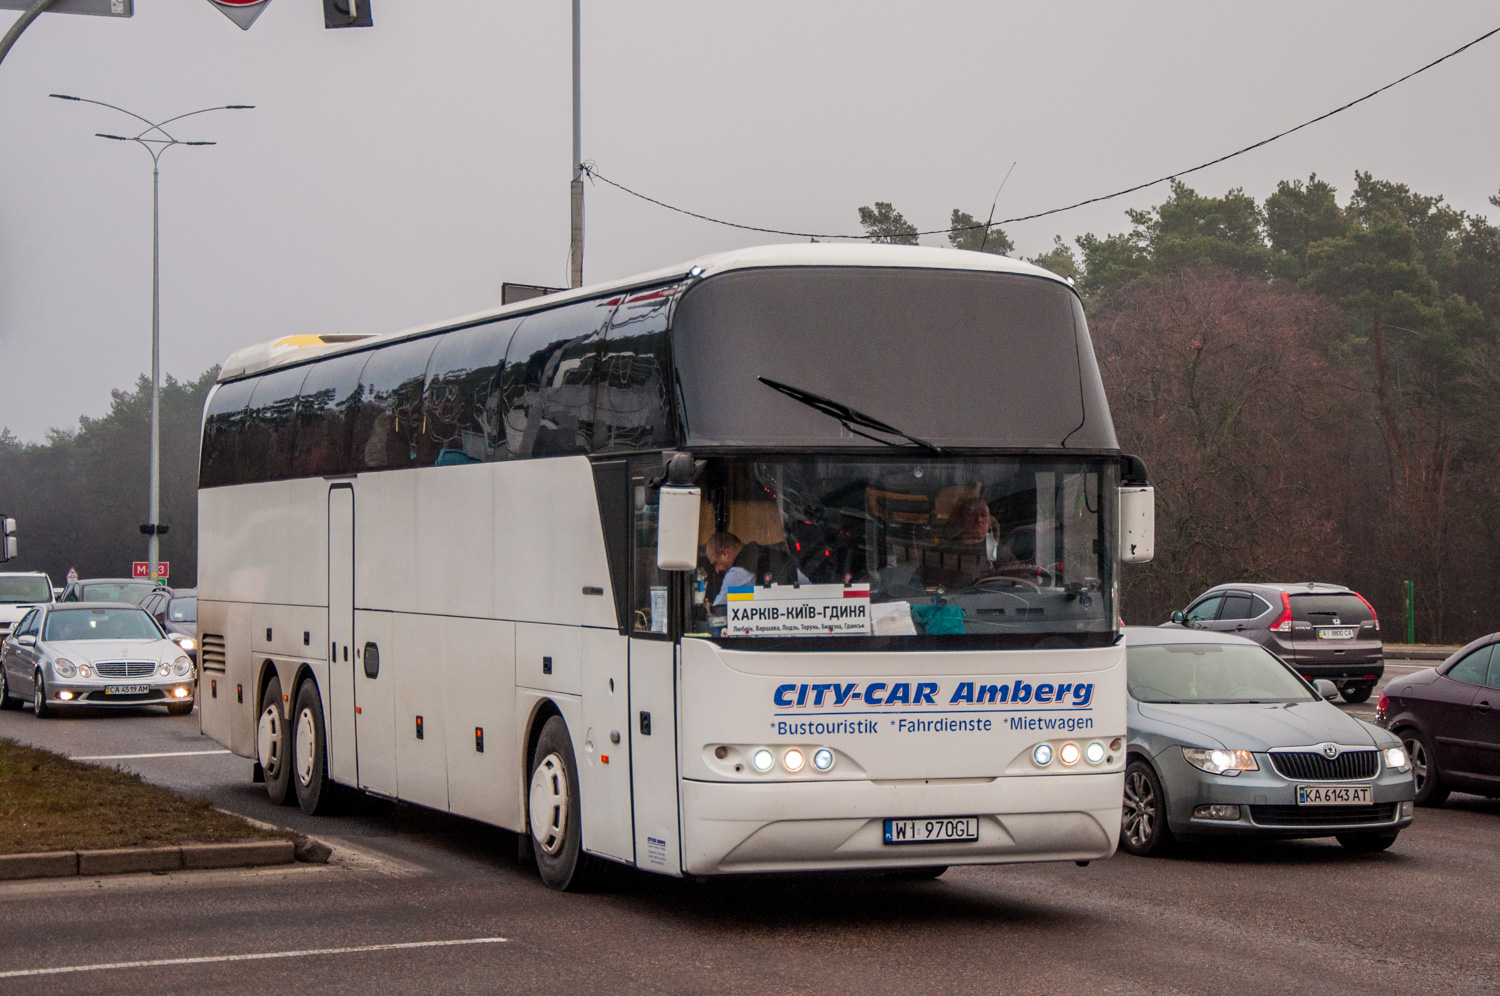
(63, 668)
(1220, 762)
(181, 666)
(1395, 757)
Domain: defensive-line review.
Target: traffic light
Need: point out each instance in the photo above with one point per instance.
(7, 538)
(347, 14)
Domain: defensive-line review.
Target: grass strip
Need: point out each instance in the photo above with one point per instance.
(50, 803)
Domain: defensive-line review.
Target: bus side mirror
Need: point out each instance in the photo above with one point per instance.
(677, 528)
(1137, 523)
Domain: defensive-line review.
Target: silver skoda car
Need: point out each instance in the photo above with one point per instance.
(94, 654)
(1227, 739)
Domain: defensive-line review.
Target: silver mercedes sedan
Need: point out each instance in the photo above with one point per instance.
(1227, 739)
(94, 654)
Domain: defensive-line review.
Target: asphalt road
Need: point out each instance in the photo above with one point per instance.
(419, 902)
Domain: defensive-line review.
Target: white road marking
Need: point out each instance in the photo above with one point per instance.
(263, 956)
(132, 757)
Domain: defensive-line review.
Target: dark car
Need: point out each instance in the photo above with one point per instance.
(128, 590)
(1322, 630)
(1449, 719)
(176, 612)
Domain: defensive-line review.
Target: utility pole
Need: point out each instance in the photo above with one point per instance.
(575, 250)
(155, 140)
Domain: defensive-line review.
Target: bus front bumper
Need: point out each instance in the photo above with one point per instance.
(730, 827)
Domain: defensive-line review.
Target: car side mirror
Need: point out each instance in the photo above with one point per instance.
(26, 641)
(1327, 689)
(1177, 617)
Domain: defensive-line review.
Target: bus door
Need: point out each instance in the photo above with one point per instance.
(340, 718)
(653, 688)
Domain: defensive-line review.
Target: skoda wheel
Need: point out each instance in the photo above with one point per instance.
(273, 745)
(1424, 768)
(1367, 843)
(316, 793)
(39, 697)
(7, 700)
(553, 811)
(1143, 818)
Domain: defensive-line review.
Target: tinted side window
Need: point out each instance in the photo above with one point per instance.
(1494, 679)
(1206, 610)
(270, 426)
(24, 626)
(325, 411)
(1259, 607)
(1236, 606)
(223, 424)
(1474, 668)
(389, 423)
(547, 392)
(462, 401)
(633, 396)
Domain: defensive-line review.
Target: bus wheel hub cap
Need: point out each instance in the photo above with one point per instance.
(306, 743)
(549, 804)
(268, 742)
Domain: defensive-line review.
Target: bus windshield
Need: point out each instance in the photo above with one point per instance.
(930, 546)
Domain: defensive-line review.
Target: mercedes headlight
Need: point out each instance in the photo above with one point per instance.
(1395, 757)
(181, 666)
(64, 668)
(1220, 762)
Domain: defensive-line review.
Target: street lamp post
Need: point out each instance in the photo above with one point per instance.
(156, 141)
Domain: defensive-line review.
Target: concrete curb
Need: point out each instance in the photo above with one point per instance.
(127, 860)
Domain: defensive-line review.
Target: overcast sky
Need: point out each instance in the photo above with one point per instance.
(396, 175)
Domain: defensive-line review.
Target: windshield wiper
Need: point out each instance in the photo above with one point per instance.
(847, 417)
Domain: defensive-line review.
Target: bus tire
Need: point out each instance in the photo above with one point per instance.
(553, 813)
(316, 793)
(273, 745)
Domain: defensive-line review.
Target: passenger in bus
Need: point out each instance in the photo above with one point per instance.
(743, 564)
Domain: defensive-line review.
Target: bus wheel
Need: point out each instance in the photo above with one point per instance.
(315, 792)
(556, 837)
(273, 747)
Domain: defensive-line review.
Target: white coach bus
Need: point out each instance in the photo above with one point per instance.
(794, 558)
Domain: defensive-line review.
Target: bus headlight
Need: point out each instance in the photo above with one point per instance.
(1068, 754)
(1094, 752)
(822, 759)
(793, 760)
(1042, 755)
(762, 760)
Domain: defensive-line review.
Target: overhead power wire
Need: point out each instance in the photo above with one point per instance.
(591, 170)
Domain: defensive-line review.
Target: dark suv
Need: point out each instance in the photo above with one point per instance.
(1322, 630)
